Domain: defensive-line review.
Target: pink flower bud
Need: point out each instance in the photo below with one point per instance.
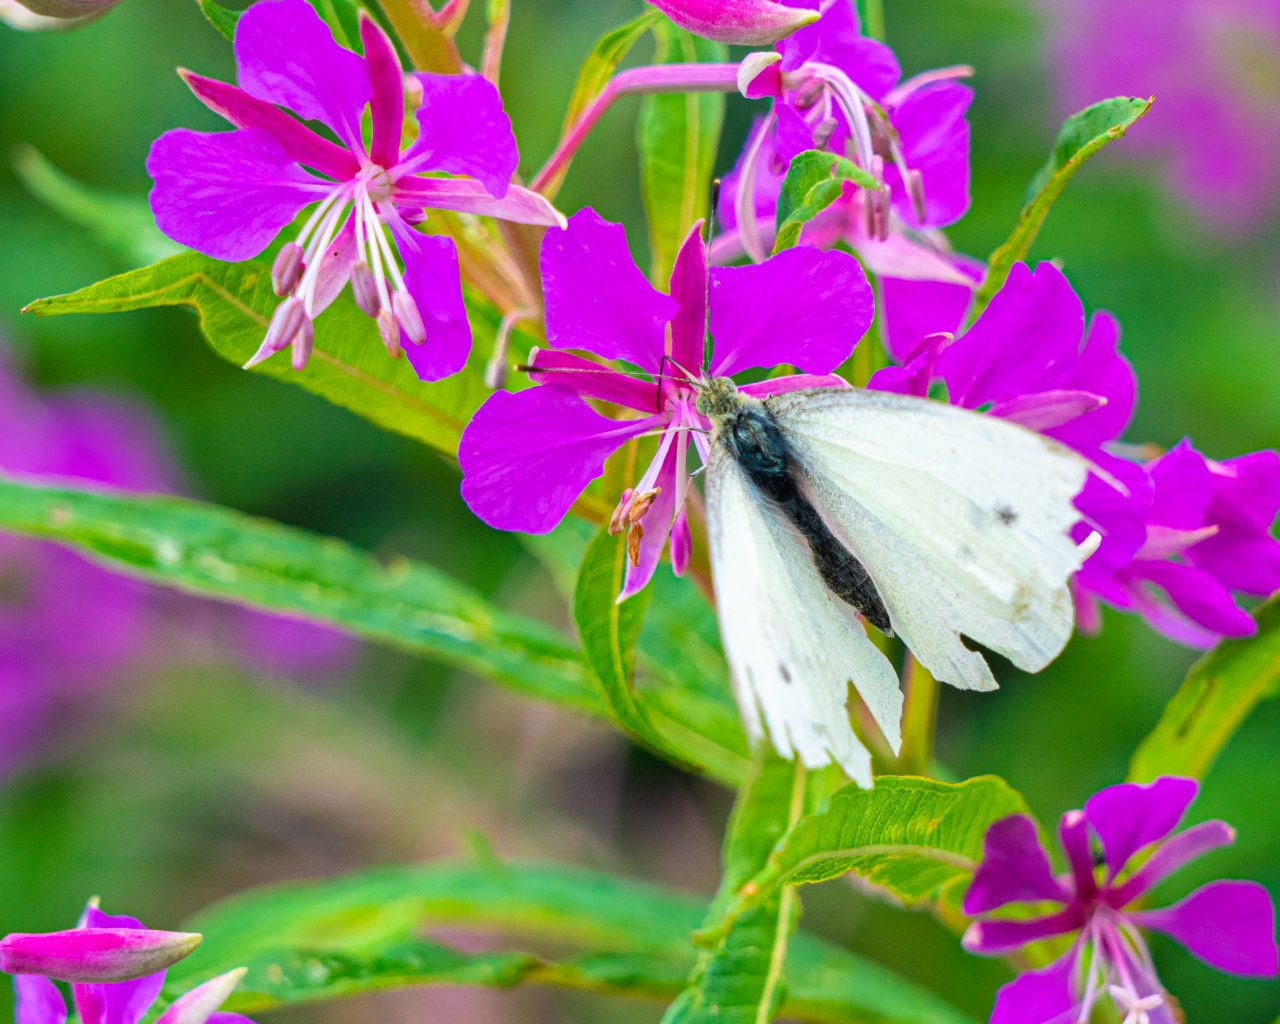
(95, 955)
(740, 22)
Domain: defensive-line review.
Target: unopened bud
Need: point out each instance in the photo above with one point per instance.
(365, 289)
(406, 311)
(287, 270)
(95, 955)
(738, 22)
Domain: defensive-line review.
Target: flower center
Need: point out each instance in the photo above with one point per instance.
(377, 183)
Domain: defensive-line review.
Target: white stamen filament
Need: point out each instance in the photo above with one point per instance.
(314, 256)
(368, 229)
(851, 100)
(744, 205)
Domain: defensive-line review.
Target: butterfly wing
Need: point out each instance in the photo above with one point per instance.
(962, 520)
(793, 647)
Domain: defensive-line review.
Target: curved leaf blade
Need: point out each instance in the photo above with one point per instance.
(1081, 136)
(814, 181)
(1221, 690)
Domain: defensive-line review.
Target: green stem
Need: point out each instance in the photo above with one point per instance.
(919, 718)
(873, 18)
(429, 48)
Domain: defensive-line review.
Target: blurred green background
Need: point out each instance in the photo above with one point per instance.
(196, 781)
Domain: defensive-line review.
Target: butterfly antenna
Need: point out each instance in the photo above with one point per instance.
(711, 233)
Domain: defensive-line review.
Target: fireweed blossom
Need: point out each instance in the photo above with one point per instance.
(1229, 925)
(1212, 64)
(528, 455)
(1178, 535)
(834, 89)
(107, 946)
(229, 194)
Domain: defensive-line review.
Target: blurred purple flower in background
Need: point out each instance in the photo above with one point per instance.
(113, 1002)
(528, 455)
(228, 194)
(70, 630)
(1183, 526)
(1229, 925)
(1214, 68)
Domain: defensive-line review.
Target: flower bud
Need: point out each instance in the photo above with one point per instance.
(67, 9)
(95, 955)
(740, 22)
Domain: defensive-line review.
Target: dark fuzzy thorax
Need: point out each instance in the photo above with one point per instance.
(752, 436)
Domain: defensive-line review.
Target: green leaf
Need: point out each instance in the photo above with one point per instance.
(914, 838)
(609, 631)
(740, 980)
(343, 16)
(349, 367)
(321, 940)
(1221, 690)
(1081, 136)
(813, 182)
(222, 554)
(222, 18)
(677, 136)
(122, 223)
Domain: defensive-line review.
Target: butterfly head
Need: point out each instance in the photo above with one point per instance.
(717, 397)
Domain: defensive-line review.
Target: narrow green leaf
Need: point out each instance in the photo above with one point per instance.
(1221, 690)
(222, 554)
(914, 838)
(349, 367)
(343, 16)
(222, 18)
(361, 933)
(610, 630)
(740, 980)
(1080, 137)
(120, 222)
(677, 136)
(813, 182)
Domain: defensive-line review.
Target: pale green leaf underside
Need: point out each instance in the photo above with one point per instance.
(814, 181)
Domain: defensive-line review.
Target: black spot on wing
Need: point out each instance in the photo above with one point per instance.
(1005, 515)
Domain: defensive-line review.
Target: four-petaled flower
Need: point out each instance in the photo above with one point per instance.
(835, 89)
(1228, 924)
(528, 455)
(102, 948)
(229, 194)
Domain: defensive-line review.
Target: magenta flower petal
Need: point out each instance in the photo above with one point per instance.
(95, 954)
(1101, 369)
(737, 22)
(1243, 554)
(301, 144)
(39, 1001)
(911, 310)
(596, 297)
(935, 142)
(1014, 868)
(792, 382)
(433, 280)
(1022, 340)
(462, 129)
(689, 289)
(203, 1001)
(225, 194)
(837, 39)
(1047, 410)
(1040, 997)
(657, 521)
(1173, 854)
(519, 205)
(1203, 610)
(1229, 925)
(995, 937)
(756, 320)
(548, 366)
(526, 457)
(1182, 488)
(1073, 833)
(1131, 816)
(386, 81)
(286, 54)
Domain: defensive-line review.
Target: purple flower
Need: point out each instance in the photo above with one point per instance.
(229, 194)
(528, 455)
(740, 22)
(1206, 536)
(1229, 925)
(112, 1002)
(1211, 63)
(837, 90)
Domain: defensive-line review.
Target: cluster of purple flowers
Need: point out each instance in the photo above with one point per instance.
(1183, 538)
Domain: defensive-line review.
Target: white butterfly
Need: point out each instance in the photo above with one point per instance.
(932, 521)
